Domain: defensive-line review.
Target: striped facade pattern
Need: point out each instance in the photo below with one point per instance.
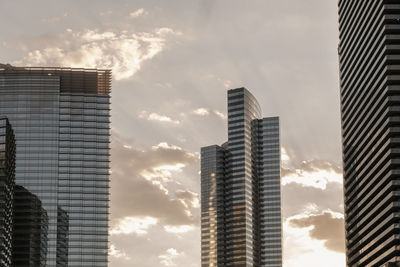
(246, 174)
(7, 185)
(61, 119)
(369, 53)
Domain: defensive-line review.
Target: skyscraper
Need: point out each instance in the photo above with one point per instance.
(61, 119)
(370, 112)
(7, 184)
(30, 230)
(240, 190)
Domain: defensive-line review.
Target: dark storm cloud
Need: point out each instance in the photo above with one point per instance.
(133, 195)
(325, 227)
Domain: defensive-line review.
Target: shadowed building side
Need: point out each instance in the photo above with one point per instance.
(7, 184)
(30, 230)
(62, 237)
(369, 58)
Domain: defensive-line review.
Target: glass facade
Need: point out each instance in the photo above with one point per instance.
(61, 119)
(30, 230)
(212, 209)
(241, 189)
(370, 113)
(7, 183)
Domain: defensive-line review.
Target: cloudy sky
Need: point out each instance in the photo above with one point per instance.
(172, 63)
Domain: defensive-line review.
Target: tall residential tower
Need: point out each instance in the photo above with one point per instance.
(61, 120)
(7, 185)
(240, 190)
(369, 53)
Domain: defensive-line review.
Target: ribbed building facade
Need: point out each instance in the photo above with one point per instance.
(61, 119)
(7, 185)
(240, 190)
(369, 53)
(30, 230)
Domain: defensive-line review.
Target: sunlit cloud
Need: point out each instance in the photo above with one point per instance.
(201, 112)
(130, 225)
(188, 198)
(114, 252)
(138, 13)
(313, 173)
(302, 250)
(168, 168)
(327, 226)
(207, 112)
(163, 172)
(122, 51)
(165, 145)
(168, 259)
(285, 158)
(178, 229)
(220, 114)
(157, 117)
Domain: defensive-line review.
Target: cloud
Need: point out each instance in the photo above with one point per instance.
(298, 198)
(315, 173)
(188, 198)
(138, 13)
(114, 252)
(302, 250)
(134, 194)
(157, 117)
(201, 112)
(122, 51)
(168, 258)
(207, 112)
(314, 186)
(178, 229)
(130, 225)
(327, 226)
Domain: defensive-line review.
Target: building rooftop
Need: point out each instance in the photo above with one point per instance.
(73, 80)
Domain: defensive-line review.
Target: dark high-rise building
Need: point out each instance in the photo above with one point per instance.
(369, 52)
(7, 183)
(61, 120)
(62, 238)
(240, 190)
(30, 228)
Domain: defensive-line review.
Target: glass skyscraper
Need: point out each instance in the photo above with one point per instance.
(241, 190)
(61, 120)
(30, 229)
(7, 183)
(369, 53)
